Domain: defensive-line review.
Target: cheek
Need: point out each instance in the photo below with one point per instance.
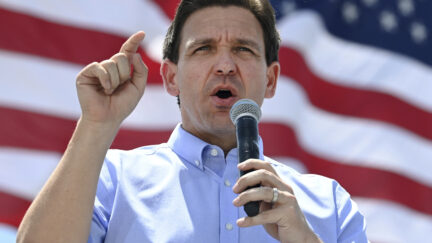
(190, 88)
(189, 82)
(256, 76)
(193, 77)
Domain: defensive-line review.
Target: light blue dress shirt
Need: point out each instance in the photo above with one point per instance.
(181, 191)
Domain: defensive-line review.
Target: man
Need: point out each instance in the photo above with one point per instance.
(186, 190)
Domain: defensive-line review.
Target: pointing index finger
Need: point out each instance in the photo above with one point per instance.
(132, 44)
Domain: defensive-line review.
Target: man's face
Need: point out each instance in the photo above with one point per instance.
(221, 60)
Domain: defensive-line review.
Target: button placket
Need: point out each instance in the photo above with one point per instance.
(229, 212)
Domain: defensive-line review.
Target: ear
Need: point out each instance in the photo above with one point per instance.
(168, 71)
(273, 71)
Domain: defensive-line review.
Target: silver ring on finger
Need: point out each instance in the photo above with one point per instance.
(275, 195)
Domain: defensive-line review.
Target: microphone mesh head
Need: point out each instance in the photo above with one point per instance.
(245, 107)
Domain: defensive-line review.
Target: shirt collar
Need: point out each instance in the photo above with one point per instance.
(191, 148)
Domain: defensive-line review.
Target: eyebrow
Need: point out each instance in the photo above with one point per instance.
(206, 41)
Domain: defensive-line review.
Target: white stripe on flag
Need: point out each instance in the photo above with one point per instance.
(7, 233)
(393, 223)
(24, 172)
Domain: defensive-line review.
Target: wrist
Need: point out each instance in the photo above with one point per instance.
(94, 134)
(98, 126)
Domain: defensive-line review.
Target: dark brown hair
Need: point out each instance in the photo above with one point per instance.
(261, 9)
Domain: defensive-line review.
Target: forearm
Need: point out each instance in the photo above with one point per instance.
(63, 209)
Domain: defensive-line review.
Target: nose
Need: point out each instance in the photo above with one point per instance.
(225, 64)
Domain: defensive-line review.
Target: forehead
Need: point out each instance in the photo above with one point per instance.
(222, 24)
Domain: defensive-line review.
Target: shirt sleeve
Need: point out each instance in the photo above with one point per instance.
(97, 229)
(103, 202)
(351, 223)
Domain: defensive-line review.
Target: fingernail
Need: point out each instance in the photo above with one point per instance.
(240, 221)
(236, 201)
(234, 188)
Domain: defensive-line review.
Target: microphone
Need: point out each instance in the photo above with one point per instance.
(245, 115)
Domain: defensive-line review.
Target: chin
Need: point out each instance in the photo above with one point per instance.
(226, 127)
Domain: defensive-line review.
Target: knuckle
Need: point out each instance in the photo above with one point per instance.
(243, 197)
(90, 67)
(288, 197)
(267, 164)
(109, 64)
(120, 59)
(241, 181)
(93, 65)
(266, 173)
(119, 55)
(88, 70)
(269, 190)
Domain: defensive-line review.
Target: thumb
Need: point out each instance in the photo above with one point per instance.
(140, 73)
(132, 44)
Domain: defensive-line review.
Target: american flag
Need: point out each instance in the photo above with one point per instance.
(354, 101)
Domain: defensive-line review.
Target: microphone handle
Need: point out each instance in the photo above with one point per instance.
(247, 143)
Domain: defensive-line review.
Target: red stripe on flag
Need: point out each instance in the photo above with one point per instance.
(36, 131)
(31, 35)
(31, 130)
(168, 6)
(359, 181)
(352, 101)
(13, 208)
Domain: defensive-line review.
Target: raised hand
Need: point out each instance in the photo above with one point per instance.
(107, 91)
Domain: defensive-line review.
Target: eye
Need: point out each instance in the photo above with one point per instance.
(202, 48)
(243, 49)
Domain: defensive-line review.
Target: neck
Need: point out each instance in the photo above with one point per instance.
(226, 140)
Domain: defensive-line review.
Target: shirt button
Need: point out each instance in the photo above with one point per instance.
(197, 162)
(229, 226)
(227, 182)
(214, 152)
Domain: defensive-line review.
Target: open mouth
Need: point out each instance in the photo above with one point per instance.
(223, 94)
